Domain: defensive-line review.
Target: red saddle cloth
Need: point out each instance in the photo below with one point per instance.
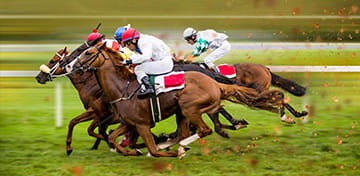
(169, 82)
(226, 70)
(174, 80)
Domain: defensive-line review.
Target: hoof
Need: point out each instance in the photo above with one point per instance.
(244, 122)
(181, 152)
(223, 134)
(139, 152)
(239, 126)
(93, 148)
(113, 150)
(69, 152)
(289, 121)
(304, 113)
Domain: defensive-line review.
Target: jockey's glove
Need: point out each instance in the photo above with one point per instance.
(127, 62)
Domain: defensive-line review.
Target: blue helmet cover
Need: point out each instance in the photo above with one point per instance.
(119, 32)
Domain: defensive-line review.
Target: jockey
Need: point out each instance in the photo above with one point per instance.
(113, 44)
(109, 43)
(152, 55)
(204, 40)
(118, 33)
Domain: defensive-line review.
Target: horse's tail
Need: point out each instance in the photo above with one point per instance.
(288, 85)
(267, 100)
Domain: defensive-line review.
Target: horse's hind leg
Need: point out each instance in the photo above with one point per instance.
(89, 114)
(294, 112)
(218, 126)
(231, 119)
(285, 118)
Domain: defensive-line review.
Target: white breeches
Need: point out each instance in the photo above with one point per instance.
(154, 68)
(217, 53)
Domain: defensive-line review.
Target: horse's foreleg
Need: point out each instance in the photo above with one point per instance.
(89, 114)
(183, 131)
(102, 126)
(92, 127)
(145, 133)
(112, 141)
(203, 130)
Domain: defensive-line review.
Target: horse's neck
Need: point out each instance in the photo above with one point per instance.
(116, 82)
(85, 83)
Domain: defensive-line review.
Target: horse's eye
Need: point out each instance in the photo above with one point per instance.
(52, 61)
(87, 53)
(79, 49)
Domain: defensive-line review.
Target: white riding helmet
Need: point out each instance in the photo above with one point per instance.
(188, 32)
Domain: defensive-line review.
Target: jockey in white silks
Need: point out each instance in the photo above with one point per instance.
(152, 55)
(207, 39)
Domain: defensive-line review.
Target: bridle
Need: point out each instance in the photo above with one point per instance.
(51, 71)
(85, 65)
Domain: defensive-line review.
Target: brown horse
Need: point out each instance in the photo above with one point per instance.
(260, 78)
(97, 109)
(200, 95)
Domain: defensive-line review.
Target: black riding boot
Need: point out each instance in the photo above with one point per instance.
(148, 88)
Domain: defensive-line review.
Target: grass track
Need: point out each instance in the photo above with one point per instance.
(327, 145)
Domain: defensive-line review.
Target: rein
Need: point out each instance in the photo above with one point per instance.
(126, 98)
(93, 59)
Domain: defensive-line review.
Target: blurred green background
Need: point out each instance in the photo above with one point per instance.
(286, 20)
(328, 144)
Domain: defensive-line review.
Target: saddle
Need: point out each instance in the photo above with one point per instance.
(161, 84)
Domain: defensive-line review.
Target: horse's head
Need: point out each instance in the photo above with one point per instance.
(62, 66)
(47, 71)
(90, 58)
(96, 56)
(67, 62)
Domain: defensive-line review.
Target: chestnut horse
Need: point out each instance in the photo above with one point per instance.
(260, 78)
(201, 94)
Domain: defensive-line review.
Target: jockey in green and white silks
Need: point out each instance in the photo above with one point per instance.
(207, 39)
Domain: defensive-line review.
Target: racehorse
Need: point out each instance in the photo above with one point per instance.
(201, 94)
(95, 103)
(97, 108)
(260, 78)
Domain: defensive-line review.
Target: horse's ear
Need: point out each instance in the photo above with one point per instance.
(65, 48)
(99, 38)
(103, 45)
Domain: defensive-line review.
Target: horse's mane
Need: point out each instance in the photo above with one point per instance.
(117, 59)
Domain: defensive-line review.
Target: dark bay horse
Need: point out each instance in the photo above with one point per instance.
(200, 95)
(91, 96)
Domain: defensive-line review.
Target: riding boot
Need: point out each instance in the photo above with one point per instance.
(148, 88)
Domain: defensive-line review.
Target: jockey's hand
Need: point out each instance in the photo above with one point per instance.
(127, 62)
(178, 58)
(189, 58)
